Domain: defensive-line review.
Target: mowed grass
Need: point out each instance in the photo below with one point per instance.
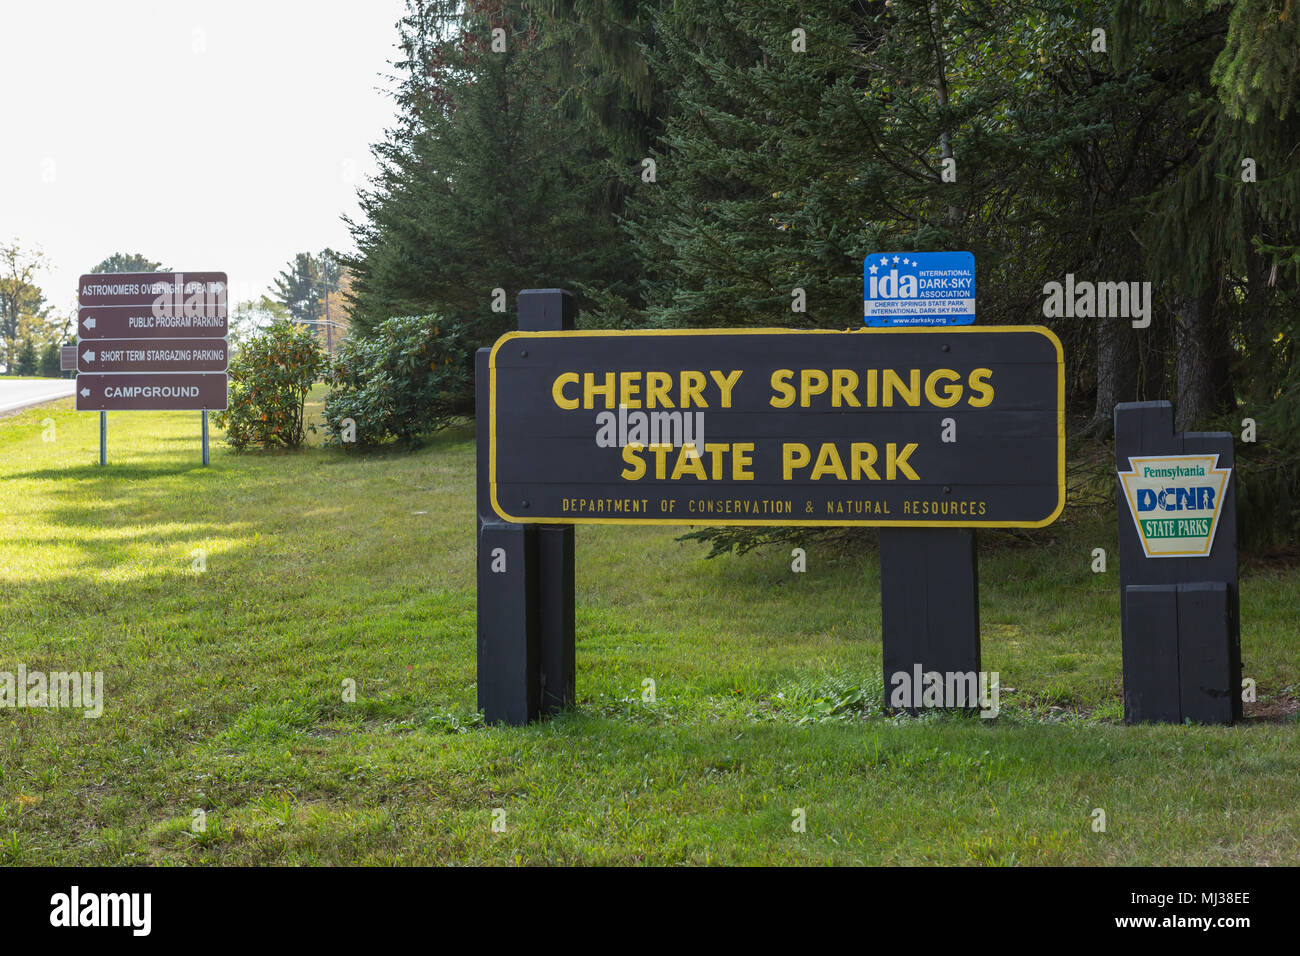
(227, 607)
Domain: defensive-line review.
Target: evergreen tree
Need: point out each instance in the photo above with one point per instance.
(782, 169)
(1218, 235)
(27, 360)
(598, 52)
(483, 185)
(1258, 71)
(300, 288)
(51, 366)
(790, 138)
(787, 159)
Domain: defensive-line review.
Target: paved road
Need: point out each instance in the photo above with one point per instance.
(19, 393)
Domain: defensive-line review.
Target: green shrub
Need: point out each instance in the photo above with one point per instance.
(412, 375)
(270, 377)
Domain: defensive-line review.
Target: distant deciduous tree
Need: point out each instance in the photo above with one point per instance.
(20, 298)
(128, 262)
(248, 319)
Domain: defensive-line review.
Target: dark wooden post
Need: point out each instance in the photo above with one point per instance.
(553, 310)
(508, 663)
(1179, 615)
(929, 602)
(525, 572)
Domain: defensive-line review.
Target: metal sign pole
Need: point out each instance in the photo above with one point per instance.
(205, 438)
(103, 438)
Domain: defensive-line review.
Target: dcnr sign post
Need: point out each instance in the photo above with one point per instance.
(1179, 606)
(928, 433)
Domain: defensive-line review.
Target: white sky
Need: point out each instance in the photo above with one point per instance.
(205, 135)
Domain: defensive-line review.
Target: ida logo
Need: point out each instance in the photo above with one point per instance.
(1175, 501)
(891, 285)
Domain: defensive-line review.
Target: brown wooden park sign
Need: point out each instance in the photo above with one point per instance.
(926, 432)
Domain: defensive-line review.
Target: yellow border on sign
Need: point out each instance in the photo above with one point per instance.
(912, 330)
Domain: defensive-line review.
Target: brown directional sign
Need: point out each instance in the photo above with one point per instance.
(152, 340)
(959, 426)
(67, 358)
(117, 322)
(151, 391)
(174, 291)
(152, 355)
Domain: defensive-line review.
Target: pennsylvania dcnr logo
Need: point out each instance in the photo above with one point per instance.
(1175, 501)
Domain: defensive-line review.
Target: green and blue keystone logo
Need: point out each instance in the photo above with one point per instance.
(1175, 501)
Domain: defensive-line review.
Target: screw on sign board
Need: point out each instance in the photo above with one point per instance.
(928, 427)
(142, 392)
(918, 288)
(153, 355)
(129, 322)
(159, 293)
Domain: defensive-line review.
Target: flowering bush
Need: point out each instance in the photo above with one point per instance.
(270, 377)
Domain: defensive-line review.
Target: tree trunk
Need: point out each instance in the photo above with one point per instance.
(1200, 362)
(1116, 373)
(941, 88)
(1259, 324)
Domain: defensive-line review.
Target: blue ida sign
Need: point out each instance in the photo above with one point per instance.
(919, 288)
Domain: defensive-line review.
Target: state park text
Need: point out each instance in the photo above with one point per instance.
(924, 427)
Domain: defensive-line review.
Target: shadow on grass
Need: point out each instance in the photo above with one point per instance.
(109, 473)
(161, 500)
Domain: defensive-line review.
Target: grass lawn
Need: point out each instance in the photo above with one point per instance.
(227, 606)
